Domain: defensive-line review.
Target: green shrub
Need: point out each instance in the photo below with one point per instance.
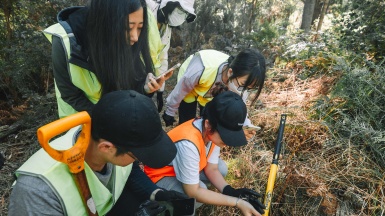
(24, 52)
(264, 36)
(356, 111)
(361, 28)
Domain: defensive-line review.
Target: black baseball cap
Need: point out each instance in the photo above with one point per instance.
(229, 111)
(131, 121)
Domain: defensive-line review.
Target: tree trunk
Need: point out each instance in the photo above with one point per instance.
(317, 10)
(252, 14)
(7, 9)
(307, 15)
(321, 18)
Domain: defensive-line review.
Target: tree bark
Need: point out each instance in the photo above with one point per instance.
(321, 18)
(317, 10)
(307, 15)
(252, 15)
(7, 9)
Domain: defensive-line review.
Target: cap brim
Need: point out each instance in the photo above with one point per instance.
(191, 13)
(232, 138)
(158, 155)
(190, 18)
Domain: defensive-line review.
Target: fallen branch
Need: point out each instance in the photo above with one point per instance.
(7, 130)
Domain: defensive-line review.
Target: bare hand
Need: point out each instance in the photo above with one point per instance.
(249, 134)
(153, 84)
(247, 209)
(168, 75)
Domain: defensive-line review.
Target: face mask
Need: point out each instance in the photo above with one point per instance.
(177, 17)
(245, 95)
(233, 87)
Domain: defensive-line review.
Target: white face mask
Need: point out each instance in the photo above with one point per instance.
(232, 87)
(245, 95)
(177, 17)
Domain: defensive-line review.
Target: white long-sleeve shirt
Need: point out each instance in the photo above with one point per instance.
(188, 81)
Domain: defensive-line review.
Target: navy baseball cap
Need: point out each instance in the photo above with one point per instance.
(230, 112)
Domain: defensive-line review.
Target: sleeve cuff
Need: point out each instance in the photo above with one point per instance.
(152, 197)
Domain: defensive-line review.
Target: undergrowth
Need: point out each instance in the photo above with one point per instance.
(334, 155)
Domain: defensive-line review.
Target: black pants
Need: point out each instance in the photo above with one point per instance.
(135, 192)
(188, 111)
(127, 201)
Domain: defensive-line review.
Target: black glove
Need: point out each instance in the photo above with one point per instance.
(165, 195)
(250, 196)
(169, 120)
(159, 99)
(150, 208)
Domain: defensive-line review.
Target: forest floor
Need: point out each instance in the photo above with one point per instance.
(284, 92)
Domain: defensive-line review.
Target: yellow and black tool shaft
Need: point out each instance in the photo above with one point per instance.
(274, 166)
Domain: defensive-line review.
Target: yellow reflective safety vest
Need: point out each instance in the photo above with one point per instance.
(211, 60)
(60, 180)
(154, 42)
(85, 79)
(82, 78)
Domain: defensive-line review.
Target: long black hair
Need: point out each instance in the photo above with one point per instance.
(249, 62)
(117, 64)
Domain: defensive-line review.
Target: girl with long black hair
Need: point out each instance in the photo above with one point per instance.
(100, 48)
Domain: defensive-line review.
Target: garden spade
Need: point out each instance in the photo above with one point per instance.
(74, 156)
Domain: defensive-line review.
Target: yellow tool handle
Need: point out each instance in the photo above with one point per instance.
(270, 187)
(73, 157)
(274, 166)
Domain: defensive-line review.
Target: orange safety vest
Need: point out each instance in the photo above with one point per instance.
(185, 131)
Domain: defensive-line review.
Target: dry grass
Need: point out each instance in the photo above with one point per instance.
(319, 174)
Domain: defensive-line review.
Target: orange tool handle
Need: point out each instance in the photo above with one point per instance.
(73, 157)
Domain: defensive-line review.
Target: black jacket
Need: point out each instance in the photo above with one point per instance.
(74, 20)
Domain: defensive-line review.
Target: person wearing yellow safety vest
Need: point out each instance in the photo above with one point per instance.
(103, 47)
(125, 127)
(198, 143)
(169, 14)
(199, 73)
